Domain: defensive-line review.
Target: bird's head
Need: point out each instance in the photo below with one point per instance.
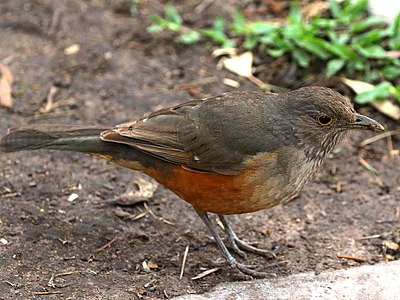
(321, 117)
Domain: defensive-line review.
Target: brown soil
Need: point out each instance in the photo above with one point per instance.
(121, 72)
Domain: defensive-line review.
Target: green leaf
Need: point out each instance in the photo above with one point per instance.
(262, 28)
(343, 38)
(170, 25)
(219, 24)
(239, 23)
(295, 32)
(268, 39)
(366, 23)
(294, 13)
(154, 28)
(334, 66)
(360, 64)
(342, 51)
(368, 38)
(335, 8)
(391, 72)
(394, 33)
(373, 51)
(190, 37)
(324, 23)
(397, 92)
(215, 36)
(172, 15)
(314, 45)
(250, 42)
(354, 10)
(394, 28)
(394, 44)
(301, 57)
(217, 32)
(379, 92)
(276, 52)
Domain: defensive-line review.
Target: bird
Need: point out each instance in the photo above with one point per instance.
(235, 153)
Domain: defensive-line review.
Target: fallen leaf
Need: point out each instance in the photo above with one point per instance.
(386, 107)
(146, 187)
(358, 86)
(6, 80)
(73, 197)
(152, 265)
(231, 82)
(224, 51)
(73, 49)
(314, 8)
(240, 64)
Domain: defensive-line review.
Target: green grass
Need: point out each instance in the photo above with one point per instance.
(347, 41)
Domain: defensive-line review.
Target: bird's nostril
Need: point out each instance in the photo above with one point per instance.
(358, 120)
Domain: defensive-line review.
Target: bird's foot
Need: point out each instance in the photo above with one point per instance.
(247, 270)
(239, 246)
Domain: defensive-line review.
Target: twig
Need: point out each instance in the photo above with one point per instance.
(203, 6)
(50, 100)
(47, 293)
(358, 259)
(168, 222)
(147, 208)
(378, 137)
(139, 216)
(370, 237)
(102, 248)
(205, 273)
(10, 283)
(67, 273)
(374, 172)
(262, 85)
(54, 21)
(390, 147)
(50, 283)
(185, 254)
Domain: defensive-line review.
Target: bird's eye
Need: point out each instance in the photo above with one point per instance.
(324, 120)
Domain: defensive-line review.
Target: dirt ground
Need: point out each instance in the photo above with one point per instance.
(92, 248)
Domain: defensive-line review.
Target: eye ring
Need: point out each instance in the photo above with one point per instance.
(324, 120)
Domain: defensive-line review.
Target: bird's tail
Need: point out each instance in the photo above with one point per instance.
(58, 137)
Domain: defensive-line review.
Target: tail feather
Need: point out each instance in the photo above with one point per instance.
(57, 137)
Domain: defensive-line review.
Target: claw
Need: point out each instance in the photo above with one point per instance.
(248, 271)
(238, 245)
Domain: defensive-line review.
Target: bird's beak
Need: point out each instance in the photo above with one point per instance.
(364, 122)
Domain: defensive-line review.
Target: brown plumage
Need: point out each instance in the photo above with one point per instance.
(234, 153)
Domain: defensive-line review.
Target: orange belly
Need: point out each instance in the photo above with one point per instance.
(209, 192)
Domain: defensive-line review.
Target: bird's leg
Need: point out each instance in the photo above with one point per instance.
(239, 245)
(245, 269)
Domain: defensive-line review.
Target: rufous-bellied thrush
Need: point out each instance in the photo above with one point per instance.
(235, 153)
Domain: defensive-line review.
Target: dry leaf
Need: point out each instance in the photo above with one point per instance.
(231, 82)
(388, 108)
(314, 9)
(384, 106)
(73, 49)
(224, 51)
(6, 80)
(152, 265)
(240, 64)
(358, 86)
(146, 187)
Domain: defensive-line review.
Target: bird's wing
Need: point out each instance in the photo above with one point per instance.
(211, 135)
